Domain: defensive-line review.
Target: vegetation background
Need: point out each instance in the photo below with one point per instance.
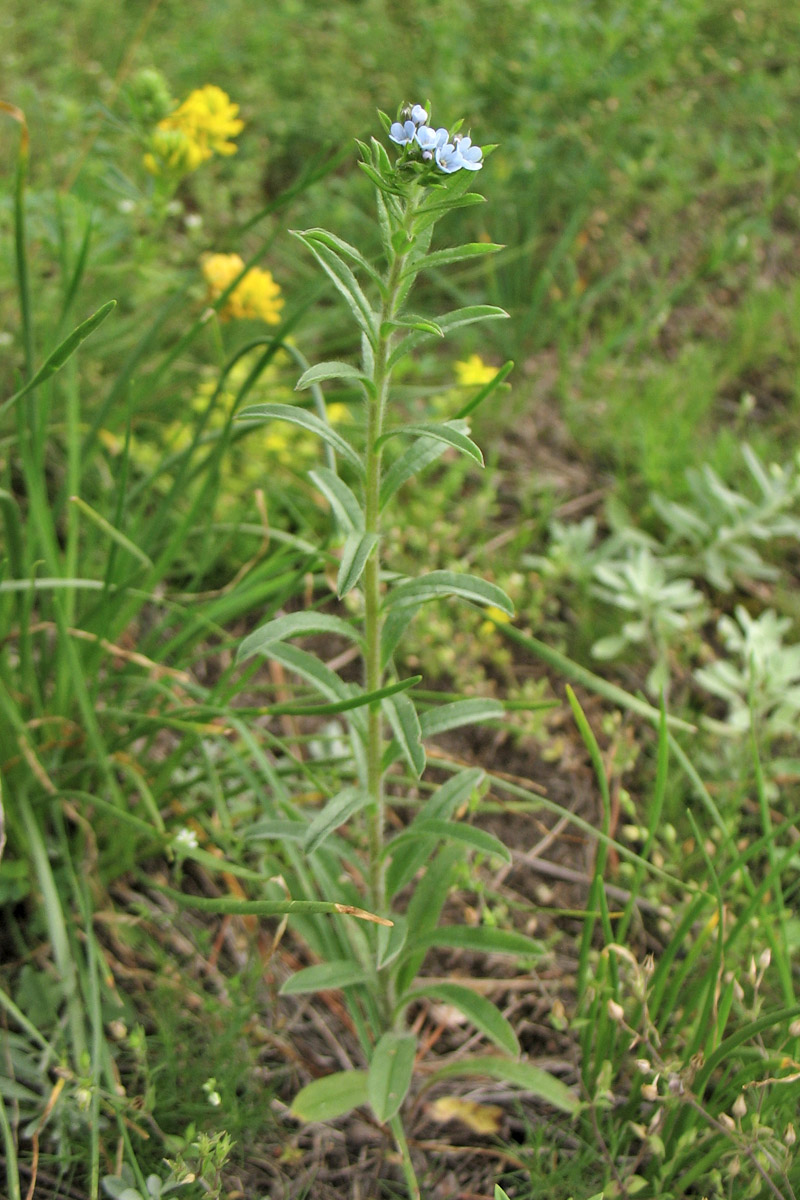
(645, 187)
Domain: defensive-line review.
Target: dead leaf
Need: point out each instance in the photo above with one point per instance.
(480, 1118)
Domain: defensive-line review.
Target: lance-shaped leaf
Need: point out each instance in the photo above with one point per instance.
(318, 242)
(292, 625)
(340, 246)
(62, 353)
(344, 505)
(422, 324)
(339, 809)
(442, 258)
(405, 726)
(448, 322)
(306, 420)
(483, 939)
(356, 550)
(484, 1015)
(460, 712)
(357, 699)
(448, 798)
(396, 623)
(330, 1097)
(449, 583)
(452, 831)
(443, 431)
(391, 940)
(275, 829)
(426, 904)
(420, 454)
(330, 370)
(391, 1069)
(408, 855)
(525, 1075)
(324, 977)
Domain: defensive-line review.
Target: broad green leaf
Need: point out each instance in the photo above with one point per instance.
(442, 258)
(344, 505)
(460, 712)
(441, 432)
(449, 583)
(336, 812)
(290, 831)
(484, 1015)
(324, 977)
(404, 721)
(391, 1069)
(297, 624)
(330, 1097)
(420, 454)
(484, 939)
(357, 548)
(329, 370)
(342, 277)
(306, 420)
(533, 1080)
(454, 831)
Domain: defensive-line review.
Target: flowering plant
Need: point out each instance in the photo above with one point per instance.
(367, 465)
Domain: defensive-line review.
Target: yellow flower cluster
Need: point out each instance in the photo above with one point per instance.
(473, 371)
(202, 126)
(256, 295)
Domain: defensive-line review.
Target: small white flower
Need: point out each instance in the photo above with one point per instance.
(186, 838)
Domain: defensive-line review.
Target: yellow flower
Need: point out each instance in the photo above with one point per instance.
(474, 371)
(200, 127)
(494, 617)
(256, 295)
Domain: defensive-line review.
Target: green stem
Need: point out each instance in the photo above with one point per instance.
(372, 572)
(399, 1133)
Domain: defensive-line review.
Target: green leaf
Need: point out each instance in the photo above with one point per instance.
(419, 455)
(329, 370)
(344, 505)
(336, 812)
(306, 420)
(441, 432)
(442, 258)
(324, 977)
(533, 1080)
(426, 904)
(330, 1097)
(460, 712)
(337, 270)
(448, 322)
(391, 1070)
(358, 699)
(290, 831)
(391, 940)
(449, 583)
(420, 323)
(308, 667)
(394, 626)
(62, 353)
(357, 549)
(454, 831)
(484, 1015)
(486, 390)
(337, 244)
(403, 719)
(297, 624)
(448, 798)
(483, 939)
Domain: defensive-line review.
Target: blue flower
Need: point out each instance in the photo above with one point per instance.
(403, 134)
(448, 158)
(470, 155)
(418, 115)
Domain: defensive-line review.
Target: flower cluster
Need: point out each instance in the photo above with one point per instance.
(200, 127)
(436, 145)
(256, 295)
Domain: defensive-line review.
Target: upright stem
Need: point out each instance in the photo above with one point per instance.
(372, 574)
